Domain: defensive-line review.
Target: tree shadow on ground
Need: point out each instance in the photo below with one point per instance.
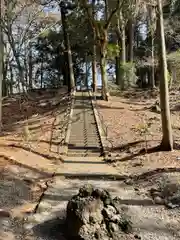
(138, 93)
(176, 108)
(98, 176)
(35, 170)
(130, 102)
(109, 107)
(133, 202)
(15, 192)
(143, 109)
(33, 140)
(29, 149)
(53, 229)
(92, 148)
(126, 146)
(142, 151)
(19, 108)
(139, 153)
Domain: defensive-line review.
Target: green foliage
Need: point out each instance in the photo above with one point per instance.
(114, 89)
(112, 50)
(128, 70)
(174, 58)
(169, 77)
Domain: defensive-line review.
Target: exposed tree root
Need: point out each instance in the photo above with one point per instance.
(154, 172)
(42, 195)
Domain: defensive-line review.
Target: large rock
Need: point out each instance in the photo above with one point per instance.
(93, 214)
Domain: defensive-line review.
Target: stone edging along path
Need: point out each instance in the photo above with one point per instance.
(102, 135)
(66, 141)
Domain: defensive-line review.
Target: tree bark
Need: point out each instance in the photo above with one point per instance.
(103, 66)
(20, 68)
(123, 52)
(151, 30)
(71, 84)
(103, 75)
(1, 63)
(86, 77)
(41, 71)
(102, 40)
(94, 50)
(131, 40)
(121, 59)
(30, 68)
(11, 80)
(167, 139)
(106, 10)
(152, 62)
(117, 70)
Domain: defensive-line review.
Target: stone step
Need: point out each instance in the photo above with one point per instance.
(84, 132)
(81, 154)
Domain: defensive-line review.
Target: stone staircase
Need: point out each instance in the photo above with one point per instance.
(84, 138)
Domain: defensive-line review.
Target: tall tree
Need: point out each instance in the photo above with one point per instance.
(94, 77)
(151, 30)
(101, 30)
(1, 60)
(167, 140)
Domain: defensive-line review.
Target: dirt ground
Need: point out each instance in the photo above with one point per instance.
(29, 156)
(29, 153)
(133, 127)
(133, 130)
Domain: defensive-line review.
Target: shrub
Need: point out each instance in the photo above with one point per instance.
(128, 73)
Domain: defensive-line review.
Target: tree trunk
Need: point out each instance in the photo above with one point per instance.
(121, 59)
(42, 69)
(30, 67)
(152, 62)
(5, 71)
(11, 80)
(137, 35)
(94, 68)
(68, 50)
(118, 70)
(1, 64)
(167, 140)
(4, 83)
(86, 77)
(103, 45)
(151, 30)
(20, 68)
(106, 12)
(64, 72)
(123, 55)
(123, 45)
(21, 72)
(25, 71)
(103, 75)
(94, 50)
(131, 40)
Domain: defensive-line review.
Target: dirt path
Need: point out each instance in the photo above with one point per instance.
(150, 221)
(27, 162)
